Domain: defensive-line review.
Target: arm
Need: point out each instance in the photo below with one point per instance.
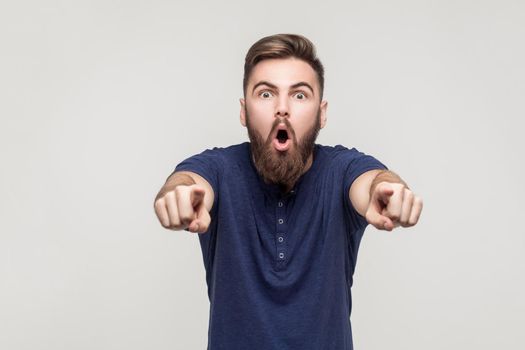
(385, 200)
(360, 190)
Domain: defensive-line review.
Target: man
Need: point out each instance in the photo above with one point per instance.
(281, 217)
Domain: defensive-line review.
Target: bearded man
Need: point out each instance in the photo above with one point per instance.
(280, 217)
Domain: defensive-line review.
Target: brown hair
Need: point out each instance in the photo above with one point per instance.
(283, 46)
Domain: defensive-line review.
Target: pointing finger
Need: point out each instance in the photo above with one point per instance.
(384, 192)
(393, 209)
(197, 195)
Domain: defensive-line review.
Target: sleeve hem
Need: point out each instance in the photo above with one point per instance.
(361, 220)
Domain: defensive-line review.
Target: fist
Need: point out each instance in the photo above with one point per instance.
(183, 207)
(392, 205)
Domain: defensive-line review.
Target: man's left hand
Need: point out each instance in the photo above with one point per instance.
(392, 205)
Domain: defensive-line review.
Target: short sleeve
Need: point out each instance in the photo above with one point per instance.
(356, 164)
(208, 165)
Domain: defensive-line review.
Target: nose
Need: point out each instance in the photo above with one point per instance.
(282, 107)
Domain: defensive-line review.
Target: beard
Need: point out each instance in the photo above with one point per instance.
(282, 168)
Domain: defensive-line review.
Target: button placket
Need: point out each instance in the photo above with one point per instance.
(281, 229)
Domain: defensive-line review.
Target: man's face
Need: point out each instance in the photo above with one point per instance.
(283, 114)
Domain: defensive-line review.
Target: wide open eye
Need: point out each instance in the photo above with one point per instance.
(300, 96)
(265, 94)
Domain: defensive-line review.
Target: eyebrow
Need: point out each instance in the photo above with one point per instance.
(296, 85)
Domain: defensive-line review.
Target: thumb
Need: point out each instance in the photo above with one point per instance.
(378, 220)
(202, 221)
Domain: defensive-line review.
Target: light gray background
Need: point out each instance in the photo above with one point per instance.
(100, 100)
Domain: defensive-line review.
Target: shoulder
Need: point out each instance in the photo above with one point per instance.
(338, 153)
(212, 162)
(232, 155)
(350, 161)
(232, 150)
(235, 151)
(224, 153)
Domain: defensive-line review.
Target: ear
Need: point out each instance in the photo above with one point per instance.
(322, 115)
(243, 111)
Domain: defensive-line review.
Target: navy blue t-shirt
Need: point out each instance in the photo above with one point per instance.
(279, 266)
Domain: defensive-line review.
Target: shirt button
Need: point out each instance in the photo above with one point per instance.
(280, 239)
(281, 221)
(280, 204)
(281, 255)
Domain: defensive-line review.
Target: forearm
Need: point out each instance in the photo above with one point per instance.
(387, 176)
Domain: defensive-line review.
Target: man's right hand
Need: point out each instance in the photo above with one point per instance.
(183, 207)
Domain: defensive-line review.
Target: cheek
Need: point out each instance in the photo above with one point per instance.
(306, 110)
(300, 131)
(304, 118)
(260, 120)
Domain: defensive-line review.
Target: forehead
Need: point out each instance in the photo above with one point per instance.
(283, 72)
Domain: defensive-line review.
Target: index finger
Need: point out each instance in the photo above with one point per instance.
(196, 196)
(395, 205)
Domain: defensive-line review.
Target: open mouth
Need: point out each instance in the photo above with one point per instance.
(282, 140)
(282, 136)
